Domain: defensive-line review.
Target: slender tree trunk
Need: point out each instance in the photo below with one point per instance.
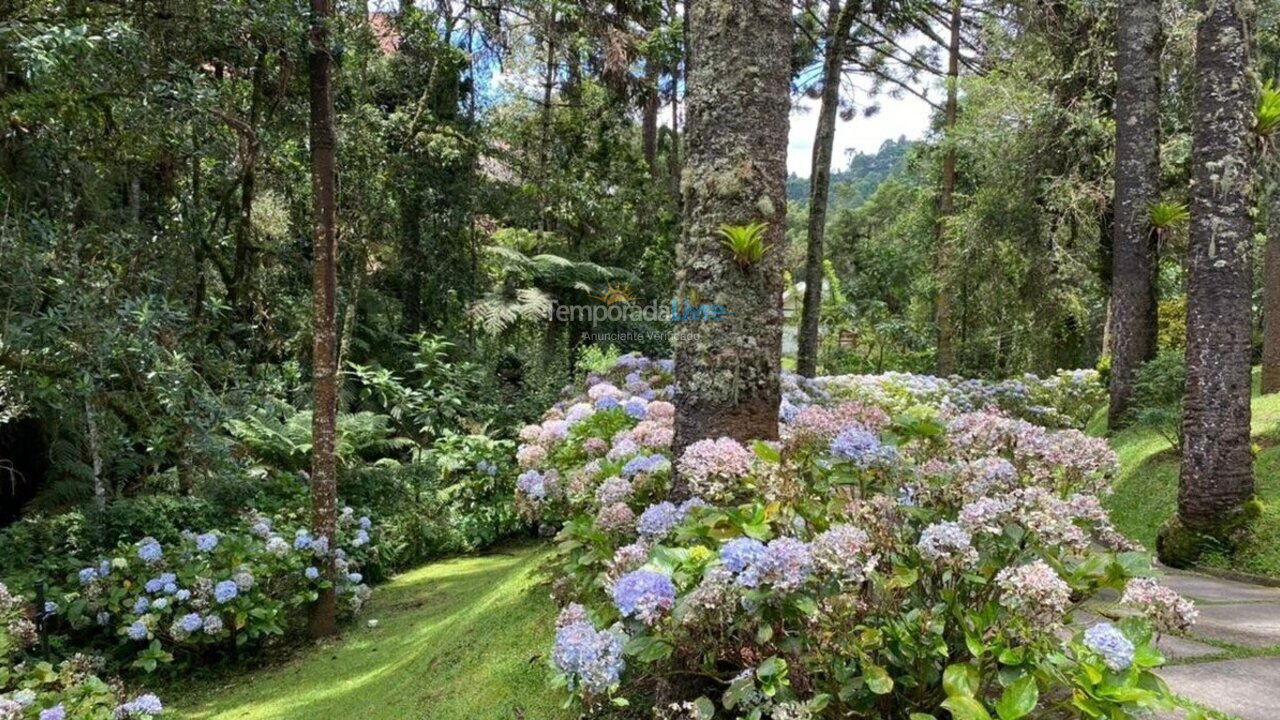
(1134, 247)
(944, 310)
(735, 173)
(324, 480)
(1271, 288)
(1217, 468)
(649, 120)
(95, 454)
(839, 22)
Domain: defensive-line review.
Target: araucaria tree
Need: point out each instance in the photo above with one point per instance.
(1217, 474)
(840, 19)
(324, 471)
(727, 360)
(1137, 178)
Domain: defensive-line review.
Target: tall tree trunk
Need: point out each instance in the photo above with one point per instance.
(324, 472)
(944, 312)
(649, 119)
(735, 173)
(1271, 287)
(1217, 472)
(1134, 247)
(839, 22)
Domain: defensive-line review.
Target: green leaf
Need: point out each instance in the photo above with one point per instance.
(965, 708)
(974, 643)
(805, 604)
(903, 578)
(921, 716)
(767, 452)
(878, 680)
(1018, 699)
(960, 680)
(704, 708)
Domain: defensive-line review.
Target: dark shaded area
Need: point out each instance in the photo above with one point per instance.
(24, 463)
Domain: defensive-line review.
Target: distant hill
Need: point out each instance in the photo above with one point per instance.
(852, 186)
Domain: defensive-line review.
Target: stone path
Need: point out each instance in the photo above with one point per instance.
(1236, 619)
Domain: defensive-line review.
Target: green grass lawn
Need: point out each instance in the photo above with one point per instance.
(463, 639)
(1146, 489)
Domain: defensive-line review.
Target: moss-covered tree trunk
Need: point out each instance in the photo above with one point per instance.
(1134, 250)
(735, 174)
(944, 306)
(839, 23)
(324, 472)
(1271, 287)
(1217, 468)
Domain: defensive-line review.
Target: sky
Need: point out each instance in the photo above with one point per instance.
(908, 116)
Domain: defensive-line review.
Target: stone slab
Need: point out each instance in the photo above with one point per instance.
(1207, 589)
(1251, 624)
(1174, 647)
(1247, 688)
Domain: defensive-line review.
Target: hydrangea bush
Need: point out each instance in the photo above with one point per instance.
(1065, 399)
(71, 690)
(900, 552)
(212, 590)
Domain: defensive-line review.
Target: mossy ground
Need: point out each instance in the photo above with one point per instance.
(1146, 490)
(462, 639)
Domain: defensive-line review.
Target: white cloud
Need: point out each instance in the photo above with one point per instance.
(907, 116)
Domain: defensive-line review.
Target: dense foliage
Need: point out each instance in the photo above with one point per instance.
(911, 545)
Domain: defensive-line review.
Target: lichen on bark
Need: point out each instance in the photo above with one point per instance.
(735, 174)
(1216, 478)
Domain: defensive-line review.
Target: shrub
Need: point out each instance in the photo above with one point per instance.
(456, 497)
(149, 600)
(1157, 395)
(880, 559)
(31, 689)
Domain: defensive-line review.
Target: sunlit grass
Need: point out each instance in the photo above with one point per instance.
(1146, 490)
(460, 639)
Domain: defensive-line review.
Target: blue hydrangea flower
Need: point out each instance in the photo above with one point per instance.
(484, 467)
(212, 625)
(191, 622)
(608, 402)
(182, 595)
(154, 585)
(532, 484)
(312, 573)
(786, 564)
(862, 449)
(206, 542)
(149, 550)
(50, 608)
(320, 546)
(302, 540)
(658, 520)
(741, 553)
(635, 407)
(170, 588)
(225, 591)
(361, 539)
(57, 712)
(366, 523)
(355, 578)
(591, 659)
(88, 575)
(142, 705)
(635, 466)
(644, 594)
(104, 568)
(1106, 640)
(138, 630)
(141, 605)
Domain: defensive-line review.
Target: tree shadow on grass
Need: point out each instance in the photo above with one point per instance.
(466, 638)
